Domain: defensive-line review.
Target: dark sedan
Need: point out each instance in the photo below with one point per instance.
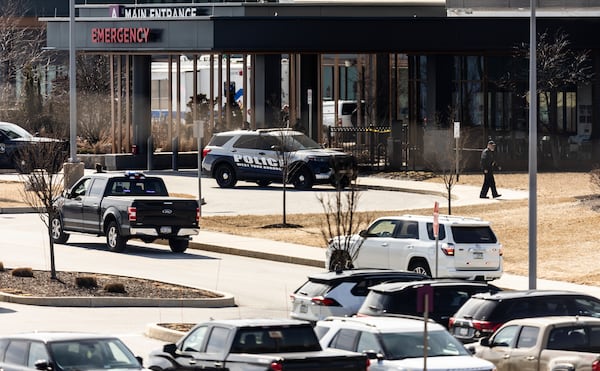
(65, 351)
(16, 144)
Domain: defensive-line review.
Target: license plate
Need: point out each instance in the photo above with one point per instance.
(165, 230)
(477, 255)
(303, 308)
(463, 331)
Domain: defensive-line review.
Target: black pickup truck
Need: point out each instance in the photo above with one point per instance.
(127, 205)
(253, 344)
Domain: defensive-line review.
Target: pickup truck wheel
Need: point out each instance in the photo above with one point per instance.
(225, 176)
(339, 261)
(420, 267)
(114, 240)
(58, 234)
(178, 245)
(302, 180)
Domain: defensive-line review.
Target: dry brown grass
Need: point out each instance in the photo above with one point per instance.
(567, 233)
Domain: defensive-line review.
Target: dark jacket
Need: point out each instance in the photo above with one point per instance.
(488, 161)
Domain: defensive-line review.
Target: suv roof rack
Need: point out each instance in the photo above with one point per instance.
(273, 129)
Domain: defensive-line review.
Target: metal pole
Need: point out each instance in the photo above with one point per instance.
(72, 86)
(532, 150)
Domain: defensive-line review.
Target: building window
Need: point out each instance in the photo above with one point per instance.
(468, 90)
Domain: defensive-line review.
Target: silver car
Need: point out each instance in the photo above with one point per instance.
(398, 343)
(341, 293)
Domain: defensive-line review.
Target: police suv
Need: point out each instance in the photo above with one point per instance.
(261, 156)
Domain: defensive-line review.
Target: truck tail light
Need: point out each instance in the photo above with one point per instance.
(198, 215)
(326, 302)
(132, 213)
(448, 249)
(596, 365)
(276, 366)
(451, 322)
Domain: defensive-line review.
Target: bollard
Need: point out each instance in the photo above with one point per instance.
(150, 153)
(175, 151)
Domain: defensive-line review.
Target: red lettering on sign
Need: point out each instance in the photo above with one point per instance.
(120, 35)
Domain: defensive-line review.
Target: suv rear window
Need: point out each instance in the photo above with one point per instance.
(312, 288)
(476, 308)
(219, 140)
(481, 234)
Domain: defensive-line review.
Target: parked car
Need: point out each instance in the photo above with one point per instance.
(14, 144)
(260, 156)
(467, 248)
(396, 343)
(65, 351)
(341, 293)
(544, 343)
(401, 298)
(125, 205)
(483, 313)
(253, 344)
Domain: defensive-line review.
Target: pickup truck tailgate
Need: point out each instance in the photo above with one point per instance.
(161, 212)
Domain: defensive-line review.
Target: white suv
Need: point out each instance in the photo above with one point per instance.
(467, 248)
(397, 343)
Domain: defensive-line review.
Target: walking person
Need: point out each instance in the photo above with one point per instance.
(488, 165)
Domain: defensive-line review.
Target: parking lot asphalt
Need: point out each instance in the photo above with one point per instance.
(315, 256)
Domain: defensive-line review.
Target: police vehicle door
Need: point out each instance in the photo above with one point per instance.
(255, 158)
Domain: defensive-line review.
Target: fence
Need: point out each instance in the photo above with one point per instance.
(368, 144)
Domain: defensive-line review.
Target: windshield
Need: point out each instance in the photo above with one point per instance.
(400, 345)
(92, 354)
(297, 142)
(14, 132)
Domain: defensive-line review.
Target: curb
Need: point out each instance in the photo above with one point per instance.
(157, 332)
(254, 254)
(105, 301)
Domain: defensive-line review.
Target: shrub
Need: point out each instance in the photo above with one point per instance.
(86, 282)
(115, 288)
(22, 272)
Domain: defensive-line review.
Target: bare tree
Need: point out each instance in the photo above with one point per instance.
(559, 67)
(446, 162)
(43, 183)
(20, 48)
(291, 171)
(342, 225)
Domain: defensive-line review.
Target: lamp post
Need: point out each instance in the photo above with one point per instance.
(532, 150)
(72, 86)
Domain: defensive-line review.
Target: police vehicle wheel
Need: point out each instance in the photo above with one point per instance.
(114, 240)
(21, 166)
(58, 234)
(225, 176)
(263, 183)
(178, 245)
(303, 179)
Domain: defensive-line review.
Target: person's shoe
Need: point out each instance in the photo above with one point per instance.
(483, 196)
(496, 196)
